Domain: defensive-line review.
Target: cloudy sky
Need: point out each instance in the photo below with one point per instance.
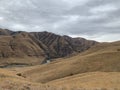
(92, 19)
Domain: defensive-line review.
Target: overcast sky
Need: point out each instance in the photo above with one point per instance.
(91, 19)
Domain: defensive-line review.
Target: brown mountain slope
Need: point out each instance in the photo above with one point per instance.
(102, 57)
(61, 46)
(20, 47)
(5, 32)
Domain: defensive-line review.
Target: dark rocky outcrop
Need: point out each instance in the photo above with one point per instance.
(61, 46)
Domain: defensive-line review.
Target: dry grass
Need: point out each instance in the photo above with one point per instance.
(103, 57)
(90, 80)
(87, 81)
(95, 69)
(10, 81)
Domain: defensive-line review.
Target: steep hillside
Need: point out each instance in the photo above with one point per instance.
(20, 49)
(61, 46)
(102, 57)
(37, 47)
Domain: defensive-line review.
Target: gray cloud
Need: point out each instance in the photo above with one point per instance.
(88, 18)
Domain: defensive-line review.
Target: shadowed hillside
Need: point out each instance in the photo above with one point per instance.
(61, 46)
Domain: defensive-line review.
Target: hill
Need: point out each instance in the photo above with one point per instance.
(102, 57)
(77, 63)
(10, 81)
(87, 81)
(61, 46)
(24, 48)
(95, 69)
(91, 80)
(20, 49)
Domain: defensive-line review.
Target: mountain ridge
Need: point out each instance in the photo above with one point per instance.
(42, 45)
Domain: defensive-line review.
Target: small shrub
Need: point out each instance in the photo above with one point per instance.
(71, 74)
(104, 89)
(19, 74)
(118, 49)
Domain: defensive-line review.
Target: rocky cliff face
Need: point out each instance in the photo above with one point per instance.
(42, 45)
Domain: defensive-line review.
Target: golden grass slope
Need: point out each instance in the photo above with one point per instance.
(103, 57)
(96, 69)
(10, 81)
(86, 81)
(90, 80)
